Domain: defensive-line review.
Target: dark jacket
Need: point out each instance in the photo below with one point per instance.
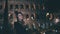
(19, 28)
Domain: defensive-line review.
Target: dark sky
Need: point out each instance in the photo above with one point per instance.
(52, 4)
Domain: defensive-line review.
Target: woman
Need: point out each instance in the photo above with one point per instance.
(19, 24)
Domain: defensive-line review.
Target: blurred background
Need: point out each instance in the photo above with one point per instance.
(29, 16)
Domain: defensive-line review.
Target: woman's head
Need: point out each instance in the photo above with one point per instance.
(20, 16)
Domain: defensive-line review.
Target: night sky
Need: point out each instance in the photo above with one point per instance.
(52, 4)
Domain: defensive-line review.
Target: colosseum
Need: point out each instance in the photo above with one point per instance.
(26, 7)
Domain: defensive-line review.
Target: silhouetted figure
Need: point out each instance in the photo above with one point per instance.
(19, 24)
(19, 28)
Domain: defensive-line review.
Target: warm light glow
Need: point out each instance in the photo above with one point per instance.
(57, 20)
(51, 16)
(31, 17)
(27, 18)
(47, 14)
(9, 15)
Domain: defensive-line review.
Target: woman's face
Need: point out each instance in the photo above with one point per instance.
(20, 17)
